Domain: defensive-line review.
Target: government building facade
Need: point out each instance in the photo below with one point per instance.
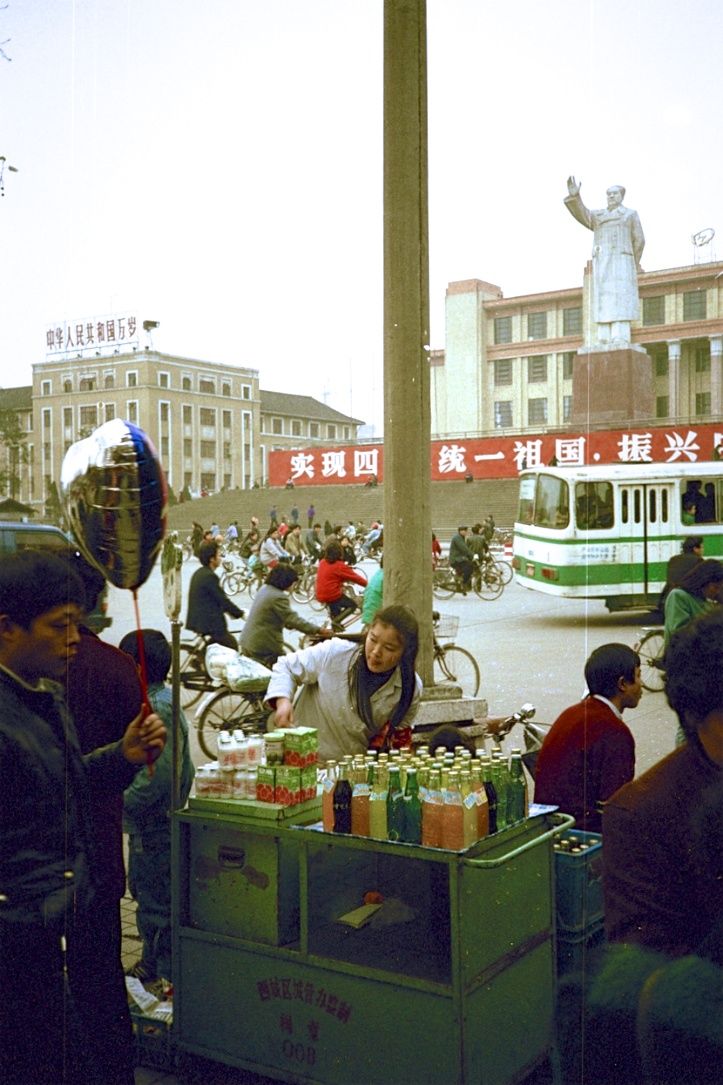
(508, 362)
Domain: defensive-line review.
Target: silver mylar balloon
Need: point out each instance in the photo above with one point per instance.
(115, 498)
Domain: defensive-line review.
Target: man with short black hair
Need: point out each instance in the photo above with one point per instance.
(48, 849)
(207, 601)
(461, 558)
(589, 752)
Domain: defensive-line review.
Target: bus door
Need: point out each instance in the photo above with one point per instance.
(645, 517)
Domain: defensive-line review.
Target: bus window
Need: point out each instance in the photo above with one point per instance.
(552, 502)
(624, 505)
(637, 511)
(594, 505)
(705, 512)
(664, 514)
(527, 499)
(653, 506)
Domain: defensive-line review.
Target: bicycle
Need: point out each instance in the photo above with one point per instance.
(452, 663)
(650, 648)
(228, 709)
(486, 581)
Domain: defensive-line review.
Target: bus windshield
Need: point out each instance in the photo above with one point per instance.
(544, 501)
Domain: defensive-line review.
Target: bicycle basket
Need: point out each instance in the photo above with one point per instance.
(446, 626)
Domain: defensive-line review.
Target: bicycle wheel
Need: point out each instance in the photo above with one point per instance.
(650, 651)
(232, 583)
(488, 584)
(504, 568)
(303, 589)
(443, 584)
(457, 665)
(192, 671)
(226, 710)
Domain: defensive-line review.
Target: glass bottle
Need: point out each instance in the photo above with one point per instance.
(453, 815)
(469, 809)
(432, 809)
(395, 804)
(342, 801)
(360, 802)
(378, 803)
(491, 792)
(412, 827)
(327, 796)
(519, 803)
(499, 779)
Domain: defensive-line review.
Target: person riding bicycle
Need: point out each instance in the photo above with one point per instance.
(332, 574)
(314, 543)
(461, 558)
(477, 543)
(207, 601)
(271, 552)
(262, 637)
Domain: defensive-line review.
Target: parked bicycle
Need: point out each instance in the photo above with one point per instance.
(452, 663)
(650, 648)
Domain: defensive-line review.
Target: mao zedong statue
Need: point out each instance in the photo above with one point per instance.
(618, 243)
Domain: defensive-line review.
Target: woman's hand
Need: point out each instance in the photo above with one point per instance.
(284, 712)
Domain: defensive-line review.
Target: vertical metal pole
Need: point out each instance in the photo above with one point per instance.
(407, 519)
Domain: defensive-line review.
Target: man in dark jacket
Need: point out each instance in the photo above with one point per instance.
(48, 849)
(263, 635)
(461, 558)
(208, 602)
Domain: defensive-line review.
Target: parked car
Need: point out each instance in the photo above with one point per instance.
(18, 535)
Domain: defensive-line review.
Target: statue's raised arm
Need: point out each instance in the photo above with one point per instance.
(618, 244)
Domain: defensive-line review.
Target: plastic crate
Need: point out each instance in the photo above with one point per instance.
(579, 952)
(446, 626)
(153, 1043)
(578, 884)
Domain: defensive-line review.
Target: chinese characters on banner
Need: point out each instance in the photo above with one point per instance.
(503, 457)
(97, 333)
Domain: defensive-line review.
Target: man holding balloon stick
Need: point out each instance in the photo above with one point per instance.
(48, 849)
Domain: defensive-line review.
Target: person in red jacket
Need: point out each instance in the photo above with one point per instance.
(589, 752)
(332, 574)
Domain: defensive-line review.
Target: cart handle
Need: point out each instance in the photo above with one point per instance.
(563, 822)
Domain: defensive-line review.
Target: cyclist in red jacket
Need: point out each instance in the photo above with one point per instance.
(331, 576)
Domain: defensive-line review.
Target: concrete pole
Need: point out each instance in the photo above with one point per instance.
(407, 519)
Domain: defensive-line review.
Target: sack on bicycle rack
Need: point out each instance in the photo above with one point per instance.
(247, 674)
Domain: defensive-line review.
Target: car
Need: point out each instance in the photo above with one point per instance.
(19, 535)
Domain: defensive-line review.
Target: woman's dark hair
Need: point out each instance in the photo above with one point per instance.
(333, 552)
(606, 665)
(693, 670)
(401, 619)
(691, 543)
(156, 649)
(282, 576)
(705, 572)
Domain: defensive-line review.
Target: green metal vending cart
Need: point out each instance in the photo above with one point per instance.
(451, 981)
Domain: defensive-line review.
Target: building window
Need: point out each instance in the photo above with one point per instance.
(503, 329)
(503, 371)
(208, 450)
(245, 391)
(702, 403)
(225, 388)
(654, 310)
(537, 412)
(47, 415)
(67, 386)
(186, 383)
(295, 427)
(109, 380)
(164, 411)
(68, 418)
(566, 408)
(702, 358)
(164, 380)
(537, 325)
(226, 419)
(187, 447)
(503, 414)
(661, 406)
(694, 305)
(132, 411)
(572, 321)
(45, 388)
(331, 432)
(187, 414)
(132, 379)
(87, 384)
(661, 365)
(277, 425)
(207, 416)
(346, 433)
(567, 365)
(537, 369)
(207, 384)
(313, 429)
(109, 411)
(227, 450)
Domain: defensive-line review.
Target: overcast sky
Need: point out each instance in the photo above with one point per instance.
(216, 165)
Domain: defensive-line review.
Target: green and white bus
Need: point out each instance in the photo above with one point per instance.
(607, 531)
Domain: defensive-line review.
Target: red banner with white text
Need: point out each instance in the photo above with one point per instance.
(500, 457)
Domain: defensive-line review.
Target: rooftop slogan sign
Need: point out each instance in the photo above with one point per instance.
(98, 334)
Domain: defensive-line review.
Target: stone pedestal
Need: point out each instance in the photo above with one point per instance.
(615, 386)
